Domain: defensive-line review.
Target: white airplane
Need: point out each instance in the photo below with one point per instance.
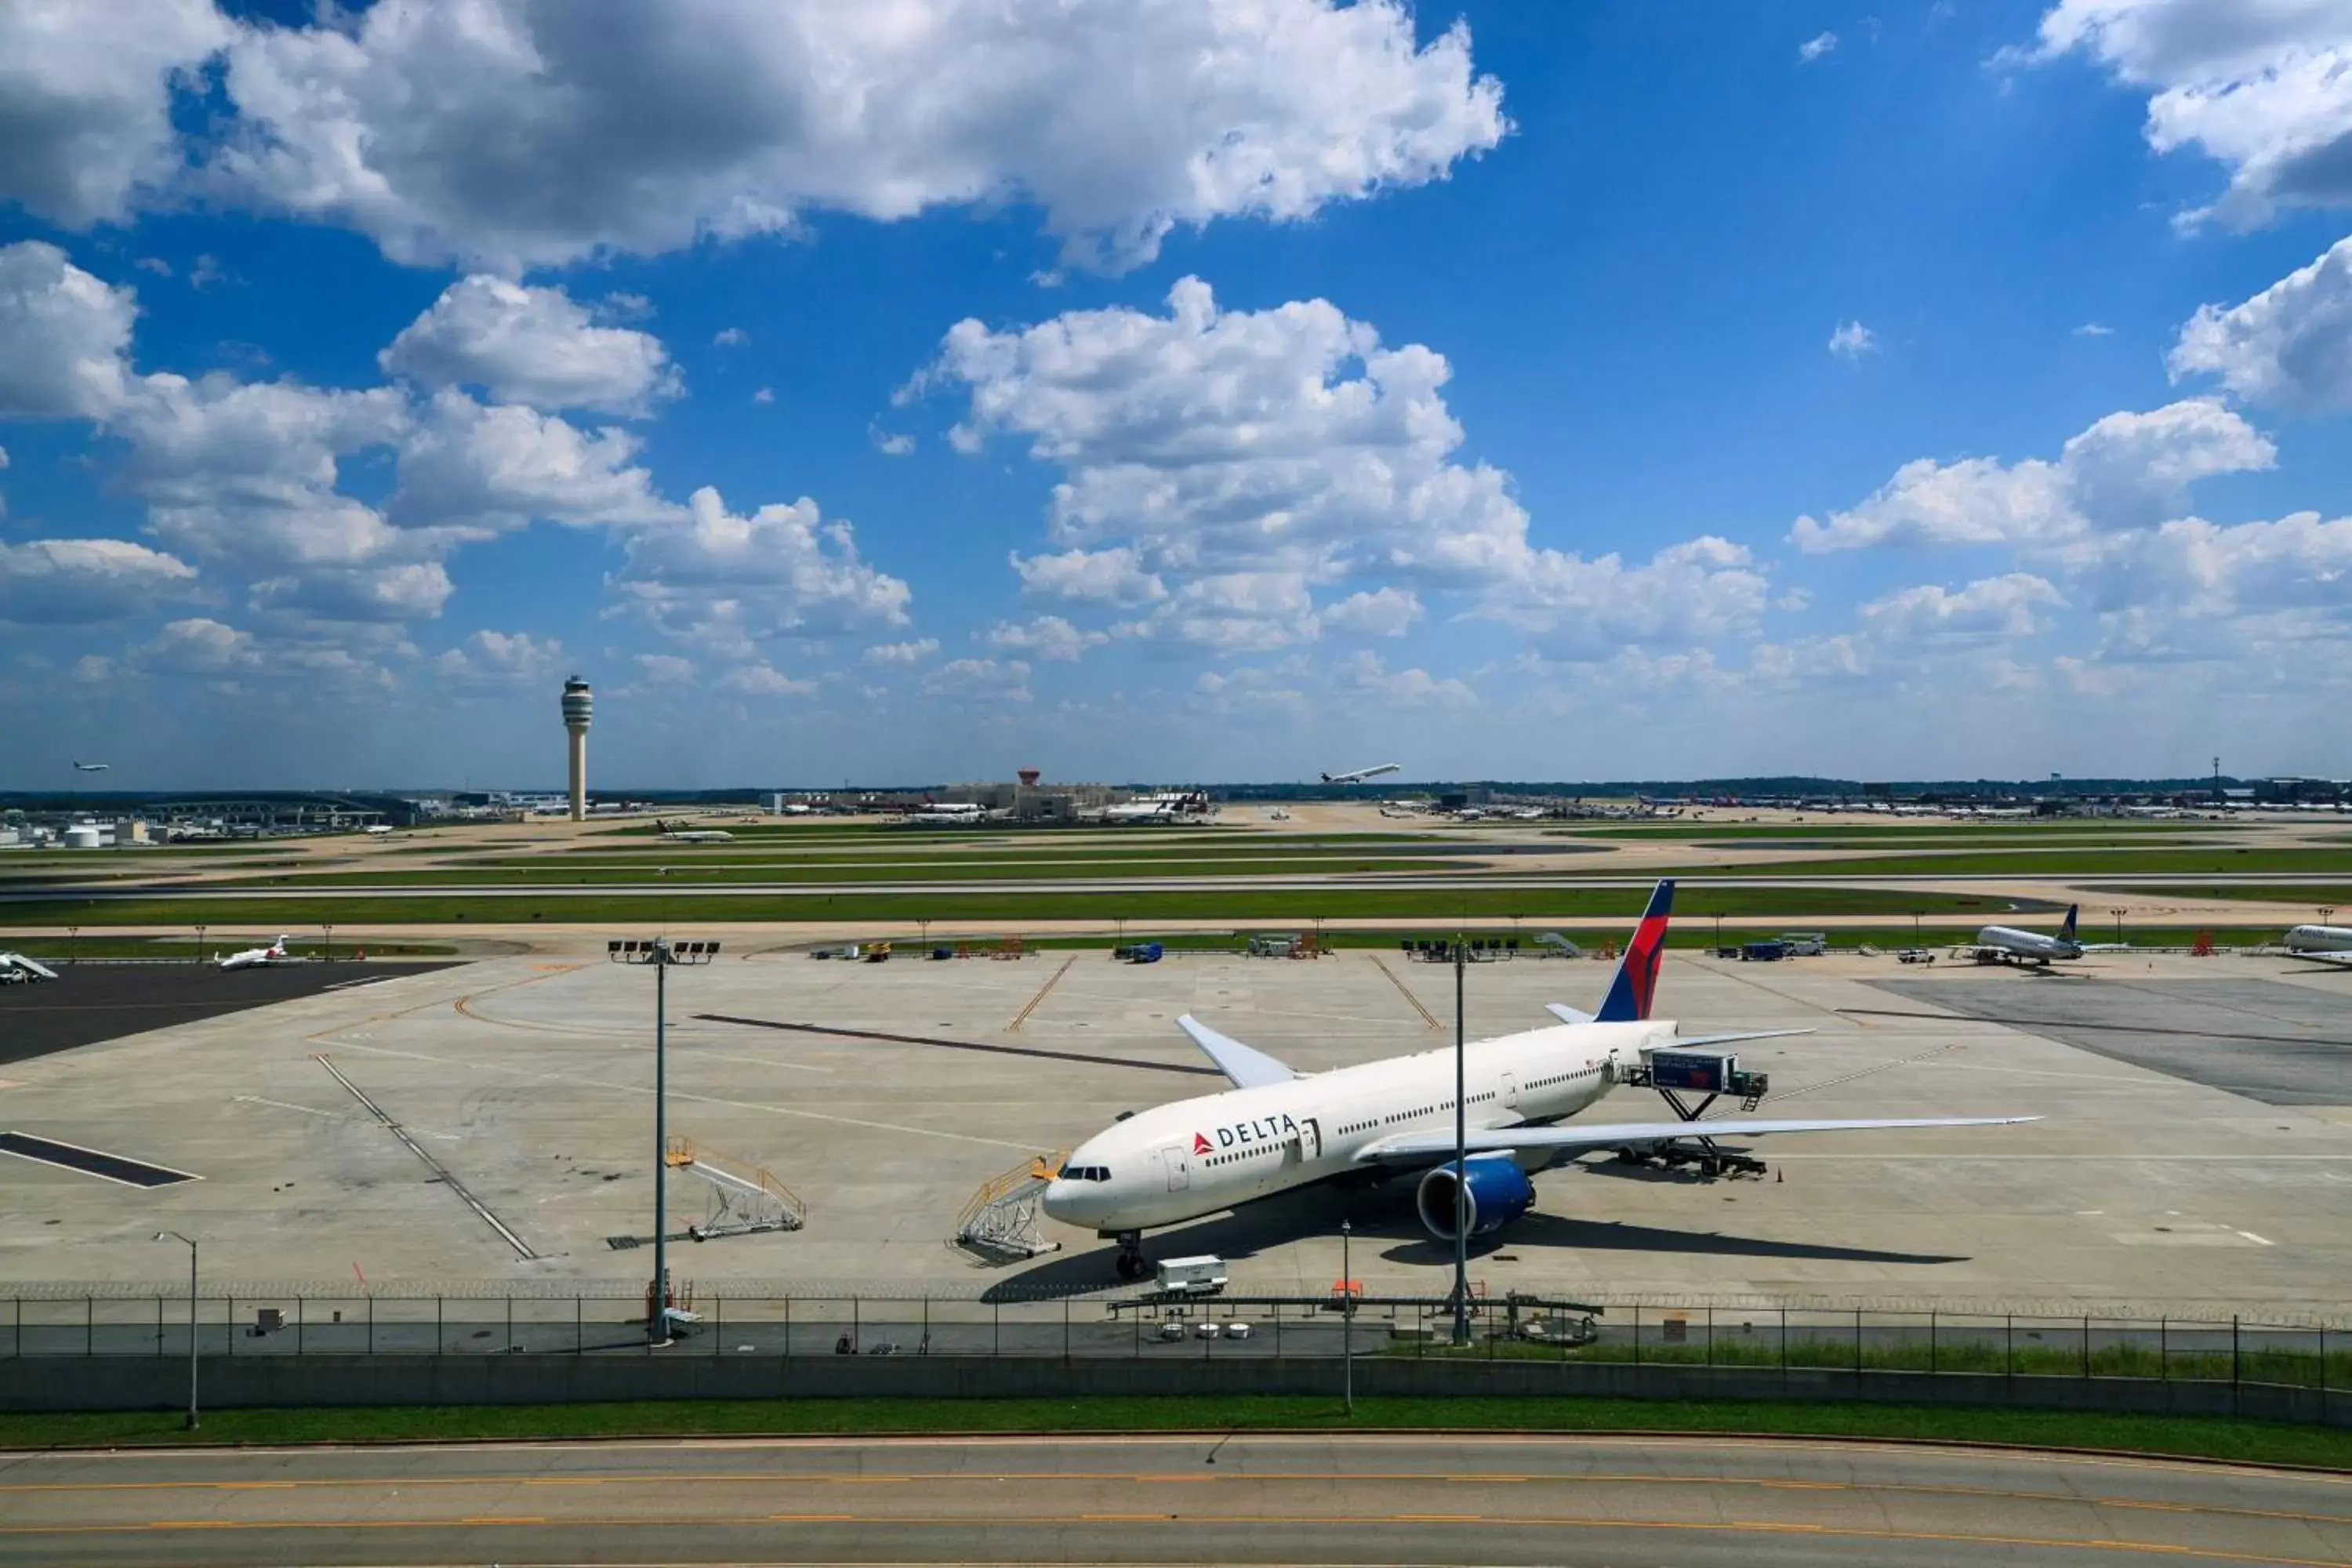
(2322, 944)
(948, 815)
(16, 969)
(1277, 1129)
(91, 767)
(257, 957)
(379, 830)
(1360, 774)
(2007, 944)
(694, 835)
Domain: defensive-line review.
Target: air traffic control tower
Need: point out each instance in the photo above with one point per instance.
(579, 705)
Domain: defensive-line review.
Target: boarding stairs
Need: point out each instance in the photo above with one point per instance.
(1001, 1221)
(745, 1199)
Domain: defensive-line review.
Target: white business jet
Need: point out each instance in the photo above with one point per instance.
(2321, 945)
(1277, 1129)
(257, 957)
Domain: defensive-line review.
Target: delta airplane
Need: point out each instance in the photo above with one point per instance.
(2322, 944)
(935, 815)
(694, 835)
(256, 957)
(1279, 1129)
(1360, 774)
(2007, 944)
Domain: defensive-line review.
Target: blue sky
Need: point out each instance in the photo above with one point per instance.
(1173, 391)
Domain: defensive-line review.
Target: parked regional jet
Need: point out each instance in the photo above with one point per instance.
(1360, 774)
(2322, 944)
(1277, 1129)
(2007, 944)
(256, 957)
(16, 969)
(684, 835)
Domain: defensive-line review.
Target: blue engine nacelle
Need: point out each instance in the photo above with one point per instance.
(1499, 1192)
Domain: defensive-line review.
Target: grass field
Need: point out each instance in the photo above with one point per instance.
(2313, 895)
(1784, 905)
(2062, 862)
(2251, 1442)
(1914, 829)
(688, 873)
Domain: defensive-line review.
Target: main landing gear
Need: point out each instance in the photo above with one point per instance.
(1132, 1264)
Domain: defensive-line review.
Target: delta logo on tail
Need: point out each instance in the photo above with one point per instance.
(1637, 972)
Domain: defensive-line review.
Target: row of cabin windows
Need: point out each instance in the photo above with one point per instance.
(1563, 1078)
(1243, 1155)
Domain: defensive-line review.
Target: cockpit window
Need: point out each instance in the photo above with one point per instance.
(1087, 1173)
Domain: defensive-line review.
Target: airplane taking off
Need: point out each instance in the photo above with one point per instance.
(693, 835)
(1279, 1129)
(257, 957)
(1360, 774)
(91, 767)
(16, 969)
(2321, 945)
(2007, 944)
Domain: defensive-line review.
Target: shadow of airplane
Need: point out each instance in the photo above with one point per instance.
(1384, 1217)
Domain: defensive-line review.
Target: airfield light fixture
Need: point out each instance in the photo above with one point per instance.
(190, 1244)
(2119, 912)
(664, 955)
(2326, 913)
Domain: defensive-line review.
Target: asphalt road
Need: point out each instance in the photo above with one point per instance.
(1431, 1499)
(98, 1001)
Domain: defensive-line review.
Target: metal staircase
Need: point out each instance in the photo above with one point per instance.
(745, 1199)
(1001, 1220)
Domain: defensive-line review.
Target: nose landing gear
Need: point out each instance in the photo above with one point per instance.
(1132, 1264)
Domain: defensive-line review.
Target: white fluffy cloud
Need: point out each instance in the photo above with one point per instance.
(2290, 346)
(522, 135)
(1005, 681)
(1048, 637)
(1852, 341)
(2262, 86)
(534, 346)
(501, 658)
(1381, 613)
(2198, 570)
(906, 653)
(2126, 470)
(764, 679)
(1991, 608)
(1365, 675)
(71, 581)
(486, 468)
(728, 581)
(1219, 465)
(1816, 47)
(63, 332)
(85, 98)
(1691, 592)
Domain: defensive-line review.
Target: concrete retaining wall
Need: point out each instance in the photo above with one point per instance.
(59, 1383)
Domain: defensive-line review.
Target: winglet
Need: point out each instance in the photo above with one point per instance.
(1566, 1014)
(1247, 1067)
(1636, 979)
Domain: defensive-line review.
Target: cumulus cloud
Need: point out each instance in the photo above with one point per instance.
(2289, 346)
(1112, 577)
(2193, 569)
(1991, 608)
(1366, 676)
(1380, 613)
(86, 95)
(908, 653)
(1233, 612)
(729, 337)
(891, 443)
(535, 135)
(2263, 87)
(1048, 637)
(1694, 592)
(764, 679)
(1816, 47)
(2125, 470)
(59, 582)
(64, 334)
(728, 581)
(1006, 681)
(534, 346)
(1852, 341)
(488, 468)
(501, 658)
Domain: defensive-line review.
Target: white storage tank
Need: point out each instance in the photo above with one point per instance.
(83, 836)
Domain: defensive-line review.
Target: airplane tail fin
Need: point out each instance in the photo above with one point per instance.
(2066, 932)
(1636, 979)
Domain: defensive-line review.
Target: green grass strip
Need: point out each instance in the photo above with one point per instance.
(2196, 1437)
(2314, 896)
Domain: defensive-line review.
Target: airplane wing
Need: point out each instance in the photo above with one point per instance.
(1688, 1041)
(1248, 1068)
(1414, 1147)
(1566, 1014)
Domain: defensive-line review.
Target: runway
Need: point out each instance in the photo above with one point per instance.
(1413, 1498)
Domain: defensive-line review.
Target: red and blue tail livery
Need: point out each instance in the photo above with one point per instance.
(1636, 980)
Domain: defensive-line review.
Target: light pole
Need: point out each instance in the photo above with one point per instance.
(200, 944)
(191, 1246)
(1461, 1155)
(328, 956)
(2119, 912)
(663, 955)
(1348, 1317)
(2326, 913)
(1719, 934)
(1915, 926)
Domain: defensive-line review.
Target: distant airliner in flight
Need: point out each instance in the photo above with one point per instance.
(1360, 774)
(1279, 1129)
(91, 767)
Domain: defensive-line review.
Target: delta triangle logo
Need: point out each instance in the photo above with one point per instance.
(1200, 1144)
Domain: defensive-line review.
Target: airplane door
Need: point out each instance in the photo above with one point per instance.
(1179, 1165)
(1310, 1137)
(1510, 1092)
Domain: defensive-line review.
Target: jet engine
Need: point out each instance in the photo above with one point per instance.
(1499, 1192)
